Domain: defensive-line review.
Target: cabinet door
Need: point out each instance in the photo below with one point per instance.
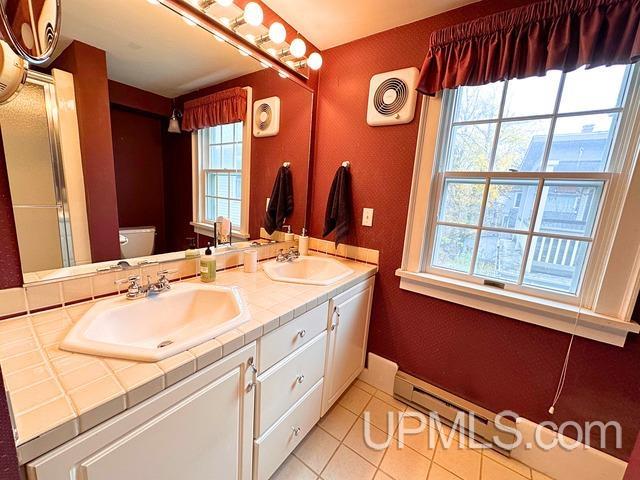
(205, 434)
(347, 341)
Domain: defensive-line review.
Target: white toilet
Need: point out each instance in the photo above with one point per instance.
(137, 241)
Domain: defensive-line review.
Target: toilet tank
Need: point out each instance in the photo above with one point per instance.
(137, 241)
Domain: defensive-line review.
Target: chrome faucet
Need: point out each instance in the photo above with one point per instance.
(290, 256)
(136, 290)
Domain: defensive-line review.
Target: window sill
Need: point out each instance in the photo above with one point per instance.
(550, 314)
(207, 230)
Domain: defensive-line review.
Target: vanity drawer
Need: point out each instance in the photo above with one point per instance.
(276, 345)
(287, 382)
(270, 450)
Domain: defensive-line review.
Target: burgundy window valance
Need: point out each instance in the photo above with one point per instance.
(227, 106)
(528, 41)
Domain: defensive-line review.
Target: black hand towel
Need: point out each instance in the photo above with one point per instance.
(281, 202)
(338, 214)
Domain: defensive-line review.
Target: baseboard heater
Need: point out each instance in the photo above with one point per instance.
(428, 398)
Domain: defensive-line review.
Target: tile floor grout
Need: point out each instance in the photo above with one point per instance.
(372, 394)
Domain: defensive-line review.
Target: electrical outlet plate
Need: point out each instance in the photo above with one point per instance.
(367, 217)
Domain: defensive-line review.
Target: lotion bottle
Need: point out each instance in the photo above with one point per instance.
(303, 243)
(208, 266)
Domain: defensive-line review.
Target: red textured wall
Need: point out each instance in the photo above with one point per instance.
(292, 144)
(496, 362)
(89, 67)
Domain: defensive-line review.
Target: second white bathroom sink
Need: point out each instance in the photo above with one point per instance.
(307, 270)
(153, 328)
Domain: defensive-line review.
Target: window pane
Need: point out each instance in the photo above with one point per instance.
(454, 248)
(237, 153)
(227, 133)
(478, 103)
(556, 264)
(500, 255)
(214, 135)
(235, 213)
(510, 204)
(210, 209)
(227, 157)
(569, 207)
(593, 89)
(222, 185)
(222, 207)
(215, 157)
(582, 143)
(461, 201)
(521, 145)
(238, 131)
(236, 186)
(471, 147)
(210, 188)
(532, 96)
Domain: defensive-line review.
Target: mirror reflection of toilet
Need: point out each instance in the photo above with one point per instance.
(137, 241)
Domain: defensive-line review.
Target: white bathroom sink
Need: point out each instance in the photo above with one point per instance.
(307, 270)
(152, 328)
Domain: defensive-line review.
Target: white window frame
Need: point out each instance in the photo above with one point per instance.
(612, 277)
(200, 224)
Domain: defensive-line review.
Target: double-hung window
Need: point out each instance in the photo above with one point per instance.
(221, 177)
(526, 178)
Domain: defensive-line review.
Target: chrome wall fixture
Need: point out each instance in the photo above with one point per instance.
(247, 23)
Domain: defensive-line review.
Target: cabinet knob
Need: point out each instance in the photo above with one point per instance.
(300, 379)
(302, 333)
(296, 430)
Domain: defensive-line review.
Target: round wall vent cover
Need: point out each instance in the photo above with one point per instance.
(391, 96)
(263, 117)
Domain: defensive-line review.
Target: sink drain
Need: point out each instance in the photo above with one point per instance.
(166, 343)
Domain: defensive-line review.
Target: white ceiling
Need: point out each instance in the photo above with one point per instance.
(328, 23)
(150, 47)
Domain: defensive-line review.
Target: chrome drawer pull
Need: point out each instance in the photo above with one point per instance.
(300, 379)
(296, 430)
(302, 333)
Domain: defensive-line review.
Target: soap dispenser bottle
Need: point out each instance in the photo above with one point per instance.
(303, 243)
(208, 266)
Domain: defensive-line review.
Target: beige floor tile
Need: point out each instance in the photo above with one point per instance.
(380, 475)
(403, 463)
(365, 386)
(293, 469)
(463, 461)
(418, 434)
(357, 442)
(510, 463)
(348, 465)
(316, 449)
(539, 476)
(382, 415)
(385, 397)
(492, 470)
(355, 399)
(338, 421)
(439, 473)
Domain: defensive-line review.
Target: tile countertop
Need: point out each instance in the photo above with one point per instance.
(57, 395)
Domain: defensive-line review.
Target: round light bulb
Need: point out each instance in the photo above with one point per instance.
(224, 3)
(277, 33)
(250, 38)
(298, 48)
(253, 14)
(154, 2)
(314, 61)
(283, 75)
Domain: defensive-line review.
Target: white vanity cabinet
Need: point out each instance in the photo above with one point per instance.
(349, 315)
(201, 428)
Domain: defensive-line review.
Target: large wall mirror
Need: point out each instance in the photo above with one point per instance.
(95, 173)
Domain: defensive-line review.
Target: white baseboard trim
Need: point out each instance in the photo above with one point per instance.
(583, 462)
(380, 373)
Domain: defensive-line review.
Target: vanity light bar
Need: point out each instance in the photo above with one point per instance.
(291, 56)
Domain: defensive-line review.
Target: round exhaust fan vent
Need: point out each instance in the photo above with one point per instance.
(264, 115)
(391, 96)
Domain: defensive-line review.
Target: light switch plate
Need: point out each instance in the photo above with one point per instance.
(367, 217)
